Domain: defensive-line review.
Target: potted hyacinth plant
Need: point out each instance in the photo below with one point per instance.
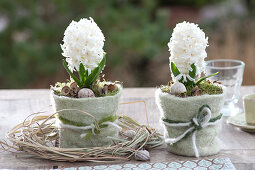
(190, 104)
(86, 107)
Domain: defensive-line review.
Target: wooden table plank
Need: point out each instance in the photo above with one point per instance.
(16, 105)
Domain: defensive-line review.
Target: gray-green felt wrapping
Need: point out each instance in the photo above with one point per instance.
(99, 107)
(184, 109)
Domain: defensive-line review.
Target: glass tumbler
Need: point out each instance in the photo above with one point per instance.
(231, 76)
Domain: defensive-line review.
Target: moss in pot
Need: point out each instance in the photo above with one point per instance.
(86, 107)
(190, 105)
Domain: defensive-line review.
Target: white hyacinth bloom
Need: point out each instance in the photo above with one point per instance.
(187, 46)
(83, 43)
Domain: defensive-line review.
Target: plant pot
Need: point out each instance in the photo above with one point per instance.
(177, 109)
(99, 107)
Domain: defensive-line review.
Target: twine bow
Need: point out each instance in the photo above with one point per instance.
(200, 121)
(93, 128)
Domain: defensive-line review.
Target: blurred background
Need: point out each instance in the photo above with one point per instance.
(136, 31)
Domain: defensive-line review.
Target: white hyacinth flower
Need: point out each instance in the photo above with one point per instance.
(187, 46)
(83, 43)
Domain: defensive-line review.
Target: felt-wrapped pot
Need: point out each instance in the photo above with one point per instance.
(77, 129)
(192, 123)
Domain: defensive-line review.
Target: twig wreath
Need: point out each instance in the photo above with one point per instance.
(38, 136)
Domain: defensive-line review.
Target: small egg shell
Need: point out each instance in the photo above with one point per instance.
(129, 133)
(85, 92)
(142, 155)
(178, 88)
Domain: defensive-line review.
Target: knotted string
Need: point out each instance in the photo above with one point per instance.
(200, 121)
(94, 130)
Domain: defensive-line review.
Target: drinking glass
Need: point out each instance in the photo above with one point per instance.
(231, 76)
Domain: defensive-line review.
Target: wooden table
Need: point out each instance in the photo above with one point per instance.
(16, 105)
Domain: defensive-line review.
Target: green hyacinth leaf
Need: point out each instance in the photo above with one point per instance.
(93, 75)
(192, 73)
(82, 73)
(205, 77)
(71, 74)
(174, 69)
(95, 72)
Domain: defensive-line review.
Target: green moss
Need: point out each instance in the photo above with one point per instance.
(206, 86)
(210, 88)
(100, 85)
(189, 90)
(58, 87)
(112, 93)
(165, 89)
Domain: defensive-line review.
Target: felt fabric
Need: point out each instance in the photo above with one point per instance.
(99, 107)
(70, 138)
(184, 109)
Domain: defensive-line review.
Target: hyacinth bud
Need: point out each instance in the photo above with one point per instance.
(187, 46)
